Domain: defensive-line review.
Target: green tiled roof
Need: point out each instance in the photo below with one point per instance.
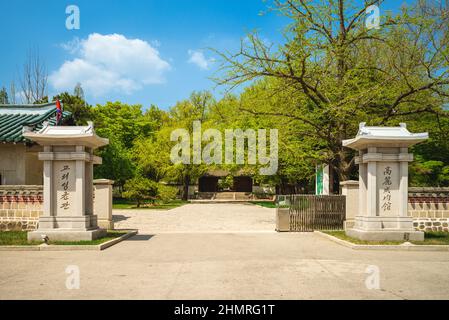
(14, 117)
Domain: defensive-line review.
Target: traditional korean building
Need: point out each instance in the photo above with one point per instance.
(209, 182)
(19, 164)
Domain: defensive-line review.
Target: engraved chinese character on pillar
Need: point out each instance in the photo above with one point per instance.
(65, 186)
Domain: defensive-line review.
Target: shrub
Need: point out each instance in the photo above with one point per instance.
(140, 189)
(166, 193)
(226, 183)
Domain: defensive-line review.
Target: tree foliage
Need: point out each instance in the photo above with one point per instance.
(140, 189)
(81, 111)
(124, 125)
(4, 96)
(332, 72)
(328, 74)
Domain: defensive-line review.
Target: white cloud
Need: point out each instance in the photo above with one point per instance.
(197, 57)
(109, 63)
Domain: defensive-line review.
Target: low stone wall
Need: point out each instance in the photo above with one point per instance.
(20, 207)
(431, 224)
(429, 208)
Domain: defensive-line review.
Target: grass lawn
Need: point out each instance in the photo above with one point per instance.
(266, 204)
(128, 204)
(15, 238)
(430, 238)
(19, 238)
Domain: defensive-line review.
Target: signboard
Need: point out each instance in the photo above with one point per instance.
(64, 175)
(322, 180)
(387, 188)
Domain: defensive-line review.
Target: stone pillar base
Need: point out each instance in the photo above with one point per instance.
(348, 224)
(282, 220)
(67, 234)
(381, 223)
(384, 228)
(106, 224)
(85, 222)
(385, 235)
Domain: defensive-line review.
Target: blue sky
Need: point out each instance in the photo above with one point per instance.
(155, 51)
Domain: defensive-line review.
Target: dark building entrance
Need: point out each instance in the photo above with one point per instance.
(208, 184)
(243, 184)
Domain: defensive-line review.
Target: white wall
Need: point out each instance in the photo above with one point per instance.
(19, 164)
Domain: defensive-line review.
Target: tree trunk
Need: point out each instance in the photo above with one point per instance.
(344, 168)
(185, 193)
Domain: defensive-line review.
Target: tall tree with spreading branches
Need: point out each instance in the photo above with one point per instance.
(333, 72)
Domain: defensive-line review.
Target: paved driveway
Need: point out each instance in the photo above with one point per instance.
(192, 218)
(163, 262)
(225, 266)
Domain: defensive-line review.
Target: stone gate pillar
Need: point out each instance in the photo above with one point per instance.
(103, 203)
(383, 183)
(68, 188)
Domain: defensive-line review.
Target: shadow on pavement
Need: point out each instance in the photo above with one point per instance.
(140, 237)
(119, 217)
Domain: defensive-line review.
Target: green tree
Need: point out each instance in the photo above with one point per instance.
(4, 96)
(122, 122)
(140, 189)
(126, 126)
(81, 111)
(41, 100)
(431, 164)
(332, 72)
(152, 154)
(429, 173)
(116, 165)
(183, 114)
(166, 193)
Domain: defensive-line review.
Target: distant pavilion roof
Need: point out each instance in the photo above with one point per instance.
(13, 119)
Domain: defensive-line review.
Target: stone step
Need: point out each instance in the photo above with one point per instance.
(240, 196)
(224, 195)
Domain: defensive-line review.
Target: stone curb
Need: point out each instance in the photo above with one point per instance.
(45, 247)
(110, 243)
(412, 247)
(20, 248)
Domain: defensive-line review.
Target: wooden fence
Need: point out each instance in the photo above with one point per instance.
(311, 212)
